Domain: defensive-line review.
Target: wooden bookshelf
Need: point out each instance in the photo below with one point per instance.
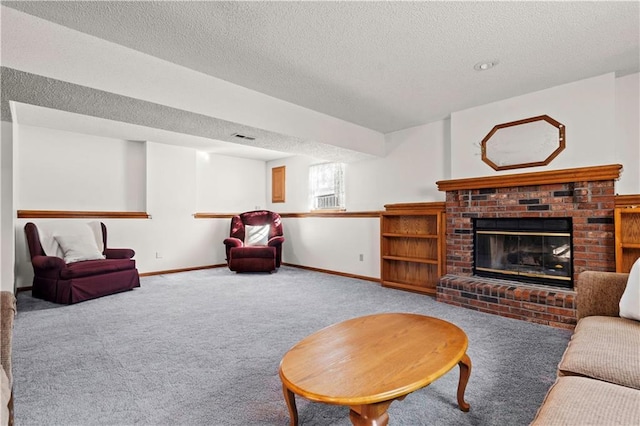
(412, 246)
(627, 237)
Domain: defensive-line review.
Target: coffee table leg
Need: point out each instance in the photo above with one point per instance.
(465, 373)
(370, 415)
(290, 399)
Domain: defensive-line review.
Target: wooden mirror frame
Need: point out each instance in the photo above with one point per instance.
(527, 146)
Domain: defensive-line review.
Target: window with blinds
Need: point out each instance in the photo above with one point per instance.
(326, 186)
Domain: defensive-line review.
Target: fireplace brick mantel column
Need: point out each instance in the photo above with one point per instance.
(587, 195)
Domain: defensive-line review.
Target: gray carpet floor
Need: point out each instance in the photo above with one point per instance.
(203, 348)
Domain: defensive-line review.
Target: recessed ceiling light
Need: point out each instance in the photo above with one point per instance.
(486, 65)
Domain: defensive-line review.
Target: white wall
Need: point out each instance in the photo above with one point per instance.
(296, 183)
(333, 244)
(416, 158)
(6, 207)
(586, 108)
(229, 184)
(180, 240)
(627, 140)
(601, 116)
(70, 171)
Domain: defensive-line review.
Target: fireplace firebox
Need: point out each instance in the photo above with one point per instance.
(530, 250)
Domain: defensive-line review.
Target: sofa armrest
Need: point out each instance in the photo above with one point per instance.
(233, 242)
(599, 293)
(47, 262)
(7, 399)
(275, 241)
(119, 253)
(7, 314)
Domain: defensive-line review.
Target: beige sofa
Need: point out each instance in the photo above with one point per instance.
(7, 314)
(598, 379)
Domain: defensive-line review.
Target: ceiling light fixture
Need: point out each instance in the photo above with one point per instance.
(486, 65)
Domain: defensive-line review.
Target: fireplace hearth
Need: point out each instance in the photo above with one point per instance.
(529, 250)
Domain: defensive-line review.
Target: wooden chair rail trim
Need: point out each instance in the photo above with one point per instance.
(581, 174)
(213, 215)
(74, 214)
(294, 215)
(332, 214)
(627, 200)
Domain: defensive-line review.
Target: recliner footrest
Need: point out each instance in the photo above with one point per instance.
(253, 252)
(252, 259)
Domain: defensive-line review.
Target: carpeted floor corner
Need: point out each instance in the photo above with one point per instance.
(203, 348)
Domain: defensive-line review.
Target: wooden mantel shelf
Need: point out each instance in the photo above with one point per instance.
(581, 174)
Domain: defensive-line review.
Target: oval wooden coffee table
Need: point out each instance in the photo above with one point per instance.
(367, 363)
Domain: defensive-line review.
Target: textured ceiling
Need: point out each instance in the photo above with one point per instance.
(58, 96)
(383, 65)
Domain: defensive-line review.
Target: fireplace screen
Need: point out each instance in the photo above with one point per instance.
(529, 250)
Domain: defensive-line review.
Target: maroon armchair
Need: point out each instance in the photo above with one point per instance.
(255, 242)
(60, 282)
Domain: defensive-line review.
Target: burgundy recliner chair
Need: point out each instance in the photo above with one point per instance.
(59, 282)
(255, 242)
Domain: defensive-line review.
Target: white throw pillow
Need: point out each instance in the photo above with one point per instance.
(49, 229)
(81, 245)
(256, 235)
(630, 301)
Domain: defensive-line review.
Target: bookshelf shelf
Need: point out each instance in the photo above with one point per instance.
(412, 246)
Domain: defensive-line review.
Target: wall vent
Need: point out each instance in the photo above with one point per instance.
(238, 135)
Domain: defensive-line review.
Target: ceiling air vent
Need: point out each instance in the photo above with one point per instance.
(238, 135)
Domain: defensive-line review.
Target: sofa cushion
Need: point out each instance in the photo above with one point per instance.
(584, 401)
(604, 348)
(95, 267)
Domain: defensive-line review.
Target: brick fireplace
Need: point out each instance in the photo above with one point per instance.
(586, 195)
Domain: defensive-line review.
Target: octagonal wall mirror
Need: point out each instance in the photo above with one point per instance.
(530, 142)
